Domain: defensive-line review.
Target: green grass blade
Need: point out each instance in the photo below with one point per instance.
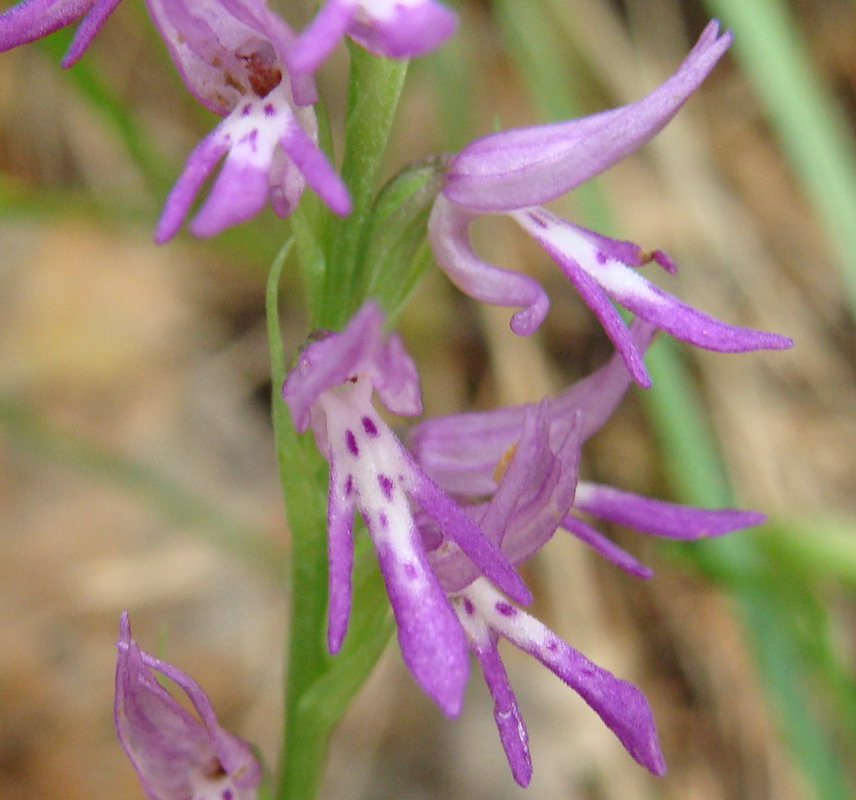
(812, 131)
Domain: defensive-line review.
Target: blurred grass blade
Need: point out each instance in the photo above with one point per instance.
(811, 129)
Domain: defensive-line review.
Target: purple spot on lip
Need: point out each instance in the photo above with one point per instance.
(349, 485)
(227, 795)
(468, 606)
(410, 571)
(369, 426)
(269, 110)
(552, 646)
(506, 609)
(383, 520)
(601, 257)
(351, 442)
(537, 220)
(245, 111)
(385, 483)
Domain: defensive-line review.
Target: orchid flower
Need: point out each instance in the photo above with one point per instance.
(535, 490)
(512, 172)
(176, 755)
(461, 452)
(231, 56)
(387, 28)
(525, 460)
(330, 390)
(32, 19)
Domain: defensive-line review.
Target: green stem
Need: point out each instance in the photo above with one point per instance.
(318, 687)
(374, 90)
(303, 753)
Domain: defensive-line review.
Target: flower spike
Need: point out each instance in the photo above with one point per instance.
(34, 19)
(386, 28)
(175, 754)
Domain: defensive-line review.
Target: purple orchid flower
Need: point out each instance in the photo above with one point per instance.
(461, 453)
(330, 390)
(231, 56)
(32, 19)
(525, 459)
(387, 28)
(176, 755)
(535, 490)
(513, 172)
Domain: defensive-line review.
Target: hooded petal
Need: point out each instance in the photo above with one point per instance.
(523, 167)
(176, 756)
(226, 52)
(33, 19)
(461, 451)
(360, 348)
(535, 491)
(402, 28)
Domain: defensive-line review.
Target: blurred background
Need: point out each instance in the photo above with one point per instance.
(136, 463)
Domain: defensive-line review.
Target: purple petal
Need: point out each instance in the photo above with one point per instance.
(33, 19)
(432, 641)
(340, 552)
(514, 169)
(619, 704)
(402, 29)
(555, 236)
(458, 527)
(509, 723)
(659, 518)
(461, 451)
(87, 30)
(173, 753)
(321, 36)
(395, 379)
(199, 166)
(238, 194)
(608, 549)
(448, 232)
(316, 169)
(590, 262)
